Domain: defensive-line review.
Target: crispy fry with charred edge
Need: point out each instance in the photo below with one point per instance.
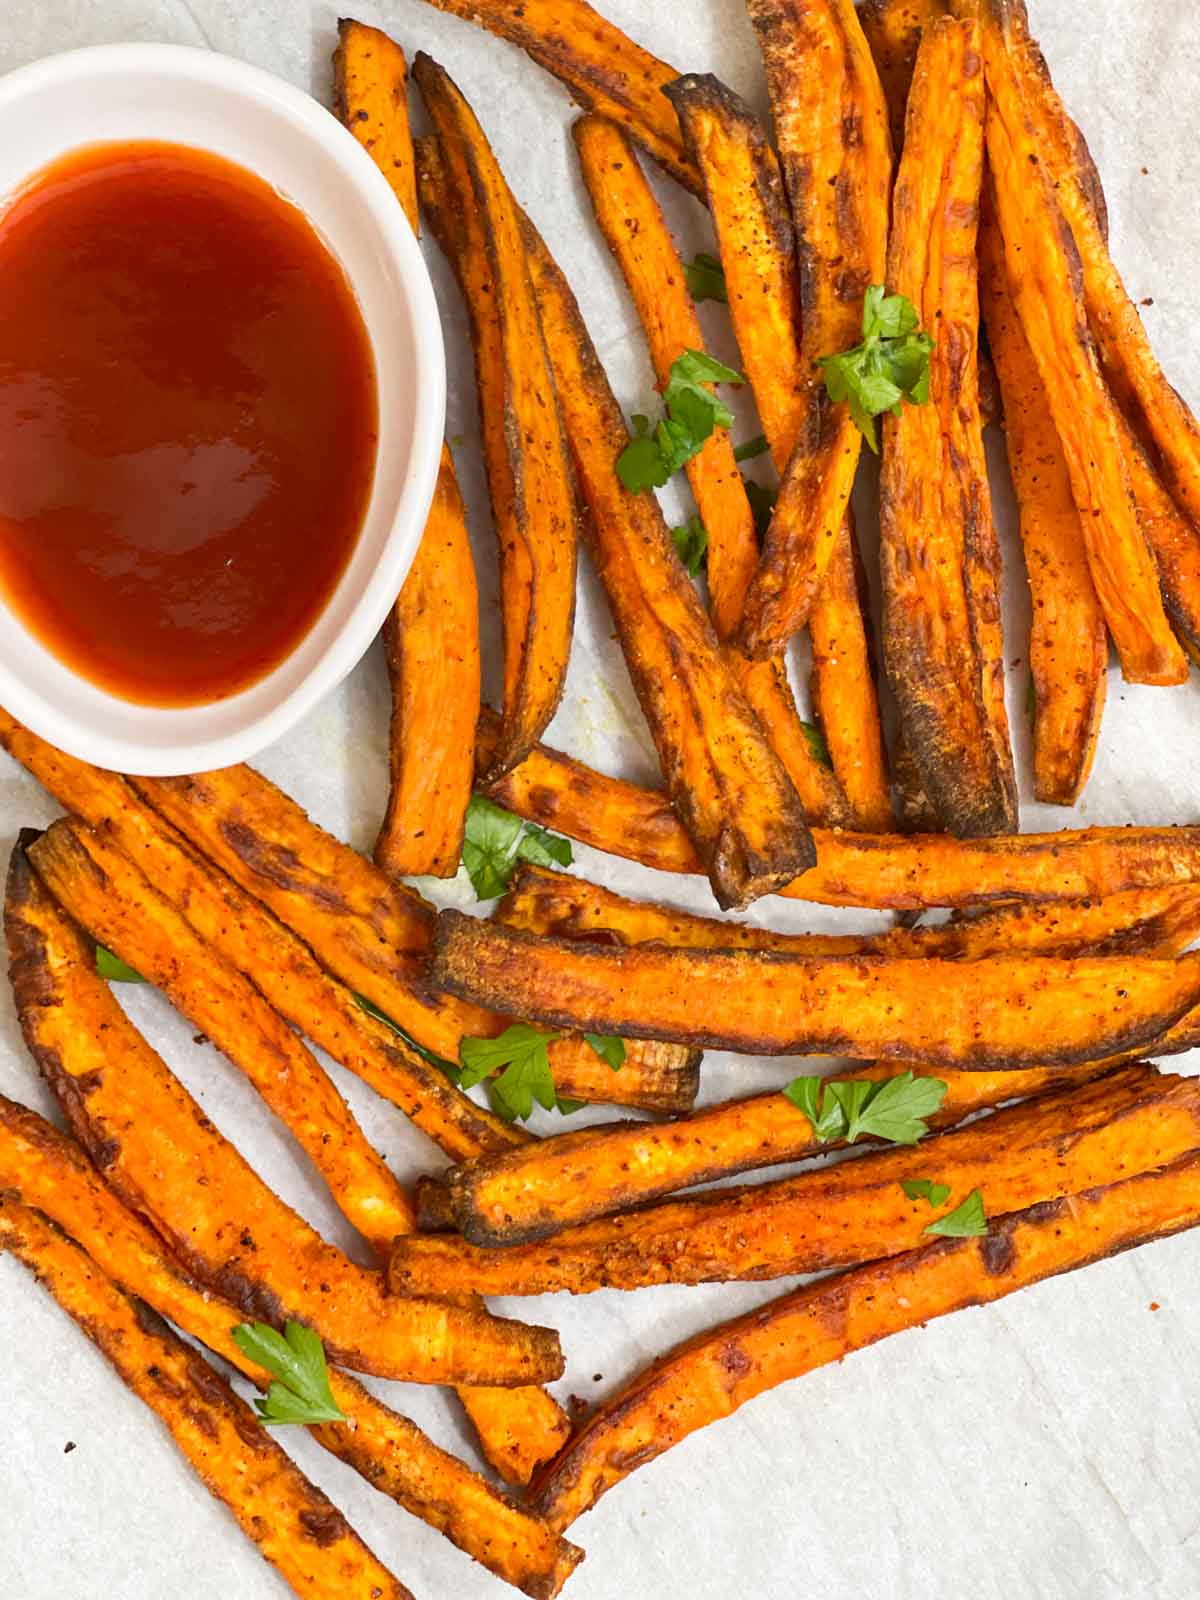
(105, 893)
(832, 131)
(663, 1083)
(602, 68)
(367, 929)
(47, 1170)
(165, 1159)
(893, 31)
(733, 794)
(1002, 1011)
(524, 447)
(431, 644)
(1055, 1144)
(1048, 291)
(896, 872)
(712, 1375)
(1020, 84)
(1161, 922)
(292, 1523)
(637, 234)
(758, 254)
(940, 563)
(270, 954)
(370, 80)
(1068, 649)
(524, 1196)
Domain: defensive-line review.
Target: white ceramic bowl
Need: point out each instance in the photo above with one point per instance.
(199, 98)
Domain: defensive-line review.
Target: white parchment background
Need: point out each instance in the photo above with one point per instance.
(1045, 1449)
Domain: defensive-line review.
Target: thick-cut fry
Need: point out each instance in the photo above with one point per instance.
(832, 131)
(893, 31)
(165, 1158)
(636, 231)
(106, 894)
(758, 255)
(712, 1375)
(728, 786)
(523, 1196)
(897, 872)
(524, 447)
(270, 955)
(940, 562)
(651, 1083)
(1068, 648)
(602, 68)
(1019, 80)
(363, 926)
(431, 642)
(1048, 292)
(47, 1170)
(1056, 1144)
(370, 82)
(1160, 922)
(293, 1524)
(1172, 536)
(1003, 1011)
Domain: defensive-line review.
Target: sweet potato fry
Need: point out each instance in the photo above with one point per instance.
(370, 82)
(1021, 84)
(165, 1159)
(637, 234)
(47, 1170)
(652, 1078)
(1047, 288)
(1172, 536)
(893, 31)
(524, 1196)
(524, 447)
(293, 1524)
(268, 953)
(729, 787)
(711, 1376)
(1160, 922)
(1003, 1011)
(431, 643)
(898, 872)
(831, 128)
(1068, 649)
(1056, 1144)
(601, 67)
(754, 233)
(107, 895)
(942, 642)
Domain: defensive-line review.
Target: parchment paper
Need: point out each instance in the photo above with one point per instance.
(1044, 1449)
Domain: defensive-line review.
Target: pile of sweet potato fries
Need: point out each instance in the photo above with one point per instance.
(920, 151)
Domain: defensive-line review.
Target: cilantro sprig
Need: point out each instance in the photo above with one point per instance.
(495, 841)
(706, 278)
(295, 1359)
(517, 1067)
(694, 412)
(691, 545)
(890, 366)
(967, 1221)
(113, 969)
(846, 1109)
(610, 1049)
(936, 1194)
(817, 743)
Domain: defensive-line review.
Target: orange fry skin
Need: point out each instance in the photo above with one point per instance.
(370, 97)
(893, 31)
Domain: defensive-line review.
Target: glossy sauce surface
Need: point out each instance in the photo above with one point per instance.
(188, 420)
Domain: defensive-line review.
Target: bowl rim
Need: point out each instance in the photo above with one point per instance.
(168, 755)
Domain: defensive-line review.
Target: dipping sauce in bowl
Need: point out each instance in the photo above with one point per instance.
(188, 420)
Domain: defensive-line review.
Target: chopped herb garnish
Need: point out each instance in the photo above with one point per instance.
(516, 1066)
(925, 1189)
(691, 545)
(693, 412)
(752, 447)
(846, 1109)
(706, 278)
(113, 969)
(295, 1359)
(495, 841)
(452, 1070)
(966, 1221)
(890, 366)
(610, 1049)
(817, 743)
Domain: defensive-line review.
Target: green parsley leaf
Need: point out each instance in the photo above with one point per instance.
(517, 1067)
(693, 412)
(817, 743)
(847, 1108)
(295, 1358)
(568, 1108)
(757, 446)
(925, 1189)
(966, 1221)
(706, 278)
(451, 1068)
(762, 503)
(827, 1122)
(113, 969)
(890, 366)
(608, 1048)
(691, 545)
(494, 841)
